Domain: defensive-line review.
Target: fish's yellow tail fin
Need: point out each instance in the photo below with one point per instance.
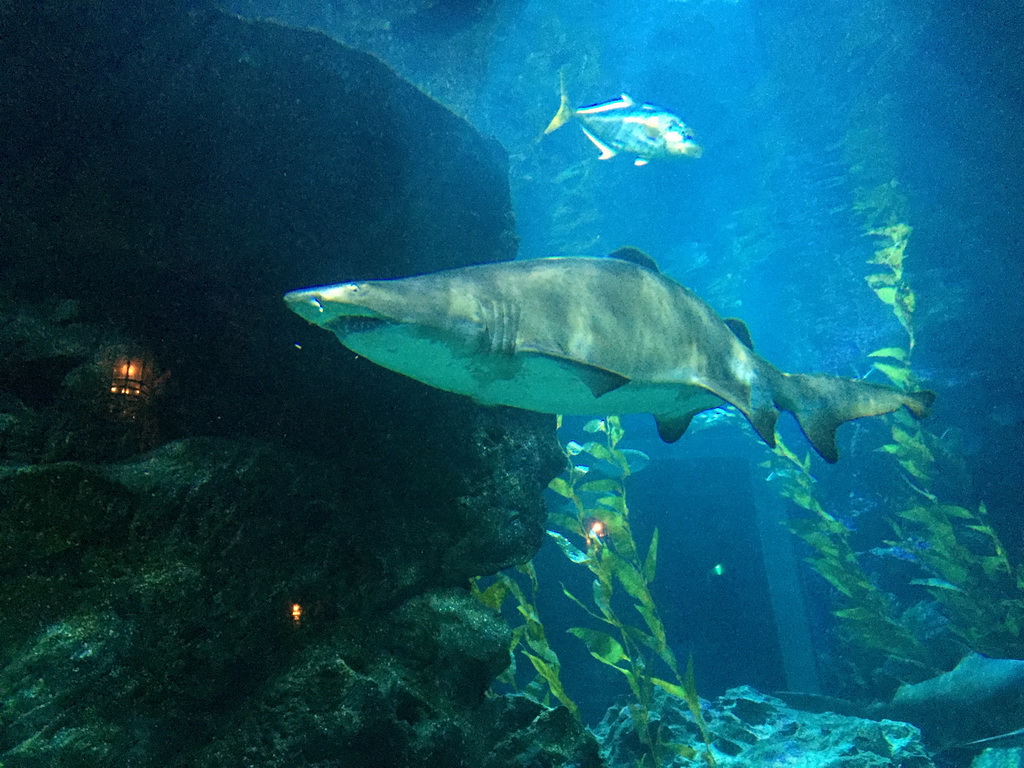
(822, 403)
(565, 109)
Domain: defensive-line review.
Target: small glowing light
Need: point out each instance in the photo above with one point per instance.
(719, 569)
(296, 613)
(131, 378)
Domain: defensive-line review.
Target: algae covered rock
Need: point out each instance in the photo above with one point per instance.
(225, 540)
(750, 728)
(225, 601)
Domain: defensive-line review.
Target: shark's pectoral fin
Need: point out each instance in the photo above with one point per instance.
(600, 381)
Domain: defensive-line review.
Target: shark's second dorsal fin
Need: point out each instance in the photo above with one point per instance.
(636, 256)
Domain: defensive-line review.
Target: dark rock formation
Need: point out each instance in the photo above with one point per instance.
(168, 173)
(750, 728)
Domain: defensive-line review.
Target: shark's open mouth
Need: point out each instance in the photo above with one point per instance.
(348, 324)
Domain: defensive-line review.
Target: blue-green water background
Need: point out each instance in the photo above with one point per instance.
(797, 105)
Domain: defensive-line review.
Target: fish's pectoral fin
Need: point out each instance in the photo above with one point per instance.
(640, 161)
(606, 151)
(600, 381)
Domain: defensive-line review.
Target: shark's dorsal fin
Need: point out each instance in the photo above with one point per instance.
(740, 331)
(636, 256)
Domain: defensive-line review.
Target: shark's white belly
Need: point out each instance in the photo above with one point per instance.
(531, 381)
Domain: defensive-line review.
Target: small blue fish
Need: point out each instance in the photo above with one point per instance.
(624, 125)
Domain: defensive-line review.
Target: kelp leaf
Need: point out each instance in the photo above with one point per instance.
(494, 596)
(582, 605)
(570, 550)
(936, 583)
(602, 599)
(602, 486)
(675, 690)
(614, 503)
(886, 294)
(595, 425)
(897, 353)
(651, 563)
(899, 376)
(550, 675)
(560, 486)
(566, 522)
(601, 645)
(681, 749)
(598, 451)
(630, 578)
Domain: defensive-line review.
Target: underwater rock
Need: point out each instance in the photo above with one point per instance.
(174, 170)
(751, 728)
(1000, 758)
(282, 578)
(441, 45)
(221, 602)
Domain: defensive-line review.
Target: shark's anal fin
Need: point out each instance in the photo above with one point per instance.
(671, 428)
(600, 381)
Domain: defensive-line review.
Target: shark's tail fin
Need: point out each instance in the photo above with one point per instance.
(565, 109)
(822, 403)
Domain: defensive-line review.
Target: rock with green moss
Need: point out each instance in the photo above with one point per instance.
(750, 728)
(152, 600)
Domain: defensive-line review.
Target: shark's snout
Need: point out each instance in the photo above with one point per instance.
(307, 304)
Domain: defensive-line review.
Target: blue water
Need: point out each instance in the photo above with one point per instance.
(798, 105)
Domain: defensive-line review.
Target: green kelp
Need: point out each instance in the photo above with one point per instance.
(956, 586)
(869, 615)
(529, 638)
(599, 517)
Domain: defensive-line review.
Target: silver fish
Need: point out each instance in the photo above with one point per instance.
(625, 125)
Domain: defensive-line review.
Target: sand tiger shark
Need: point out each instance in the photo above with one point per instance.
(586, 336)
